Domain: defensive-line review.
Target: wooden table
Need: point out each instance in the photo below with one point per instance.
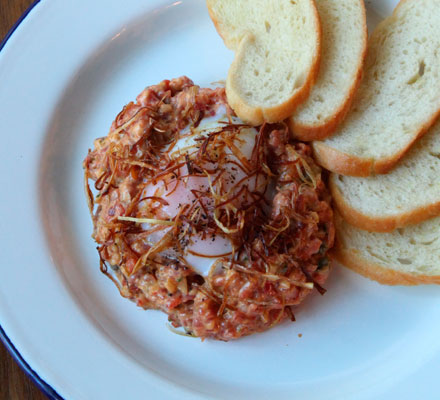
(14, 384)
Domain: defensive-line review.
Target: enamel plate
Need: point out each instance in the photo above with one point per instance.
(65, 74)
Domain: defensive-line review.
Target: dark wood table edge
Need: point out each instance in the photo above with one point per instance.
(17, 23)
(40, 383)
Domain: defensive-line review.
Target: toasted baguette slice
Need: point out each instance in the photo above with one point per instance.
(407, 256)
(410, 193)
(344, 45)
(399, 97)
(277, 46)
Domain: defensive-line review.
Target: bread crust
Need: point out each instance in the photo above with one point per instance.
(230, 44)
(375, 272)
(346, 164)
(339, 162)
(320, 131)
(380, 224)
(256, 115)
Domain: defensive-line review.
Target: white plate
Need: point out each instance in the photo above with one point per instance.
(65, 73)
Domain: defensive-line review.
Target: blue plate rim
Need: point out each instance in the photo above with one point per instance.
(48, 390)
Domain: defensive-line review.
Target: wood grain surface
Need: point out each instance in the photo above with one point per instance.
(14, 384)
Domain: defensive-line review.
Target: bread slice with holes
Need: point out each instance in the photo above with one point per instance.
(277, 45)
(399, 97)
(407, 256)
(344, 45)
(409, 194)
